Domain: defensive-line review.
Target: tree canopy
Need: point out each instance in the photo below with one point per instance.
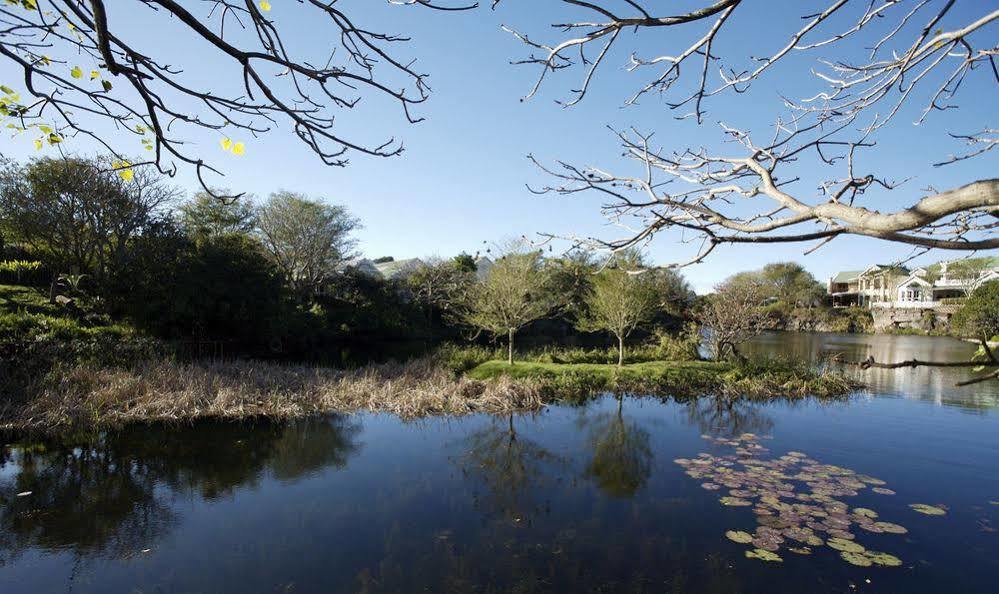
(306, 239)
(517, 291)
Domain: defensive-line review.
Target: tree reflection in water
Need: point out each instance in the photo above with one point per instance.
(110, 498)
(726, 418)
(511, 468)
(622, 459)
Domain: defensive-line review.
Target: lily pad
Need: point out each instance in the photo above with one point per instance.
(739, 536)
(884, 559)
(846, 546)
(929, 510)
(801, 550)
(764, 556)
(891, 528)
(858, 559)
(883, 491)
(863, 511)
(735, 502)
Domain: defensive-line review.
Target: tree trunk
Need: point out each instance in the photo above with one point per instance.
(509, 347)
(620, 350)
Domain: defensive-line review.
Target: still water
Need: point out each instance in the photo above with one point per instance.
(610, 497)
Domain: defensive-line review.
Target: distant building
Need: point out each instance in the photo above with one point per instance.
(387, 268)
(898, 287)
(482, 267)
(397, 268)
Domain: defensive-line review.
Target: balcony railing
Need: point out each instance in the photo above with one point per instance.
(907, 304)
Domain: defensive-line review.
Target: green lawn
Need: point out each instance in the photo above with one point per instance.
(17, 299)
(763, 379)
(633, 371)
(27, 315)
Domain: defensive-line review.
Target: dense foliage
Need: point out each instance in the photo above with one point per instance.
(979, 317)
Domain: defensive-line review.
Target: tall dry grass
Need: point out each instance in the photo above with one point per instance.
(88, 397)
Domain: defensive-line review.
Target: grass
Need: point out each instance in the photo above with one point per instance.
(27, 315)
(86, 398)
(17, 299)
(756, 379)
(522, 370)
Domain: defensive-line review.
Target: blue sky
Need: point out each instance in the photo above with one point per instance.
(460, 185)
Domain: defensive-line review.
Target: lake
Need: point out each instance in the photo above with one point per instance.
(614, 496)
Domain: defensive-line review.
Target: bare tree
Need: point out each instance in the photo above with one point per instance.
(619, 302)
(82, 75)
(914, 49)
(517, 291)
(306, 239)
(734, 313)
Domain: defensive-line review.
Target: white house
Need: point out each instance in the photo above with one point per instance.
(922, 288)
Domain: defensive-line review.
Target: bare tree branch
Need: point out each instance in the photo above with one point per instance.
(81, 78)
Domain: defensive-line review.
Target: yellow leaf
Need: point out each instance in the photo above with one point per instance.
(265, 6)
(38, 145)
(226, 144)
(238, 148)
(76, 72)
(94, 74)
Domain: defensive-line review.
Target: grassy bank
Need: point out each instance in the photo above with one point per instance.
(765, 379)
(86, 397)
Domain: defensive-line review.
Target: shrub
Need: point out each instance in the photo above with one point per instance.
(461, 359)
(979, 318)
(23, 272)
(682, 347)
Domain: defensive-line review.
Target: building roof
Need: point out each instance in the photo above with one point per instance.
(846, 276)
(394, 268)
(482, 267)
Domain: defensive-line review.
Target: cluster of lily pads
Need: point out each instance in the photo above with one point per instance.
(795, 501)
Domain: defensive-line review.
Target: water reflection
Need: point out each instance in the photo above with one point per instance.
(727, 418)
(510, 468)
(108, 499)
(935, 385)
(622, 458)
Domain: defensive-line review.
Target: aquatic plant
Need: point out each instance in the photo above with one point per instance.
(739, 536)
(764, 556)
(883, 559)
(795, 499)
(847, 546)
(929, 510)
(891, 528)
(855, 558)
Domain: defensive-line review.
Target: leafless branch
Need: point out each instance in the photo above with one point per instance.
(81, 78)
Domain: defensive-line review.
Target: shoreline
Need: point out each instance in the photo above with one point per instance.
(88, 398)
